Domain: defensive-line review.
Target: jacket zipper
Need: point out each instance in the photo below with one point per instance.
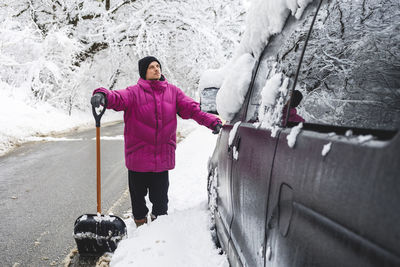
(156, 147)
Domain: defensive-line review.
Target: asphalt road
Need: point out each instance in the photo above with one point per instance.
(45, 186)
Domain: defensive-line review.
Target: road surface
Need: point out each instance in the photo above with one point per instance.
(45, 186)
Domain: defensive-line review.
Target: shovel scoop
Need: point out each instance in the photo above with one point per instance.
(96, 234)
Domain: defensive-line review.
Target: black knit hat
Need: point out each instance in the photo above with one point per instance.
(144, 64)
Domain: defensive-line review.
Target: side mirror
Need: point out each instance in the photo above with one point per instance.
(208, 98)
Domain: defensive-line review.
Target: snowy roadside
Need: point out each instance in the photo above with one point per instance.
(183, 237)
(21, 122)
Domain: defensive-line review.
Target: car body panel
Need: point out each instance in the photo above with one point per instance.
(344, 205)
(250, 182)
(333, 199)
(224, 200)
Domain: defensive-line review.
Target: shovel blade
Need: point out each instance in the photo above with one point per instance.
(96, 234)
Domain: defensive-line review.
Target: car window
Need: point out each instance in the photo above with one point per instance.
(350, 75)
(277, 69)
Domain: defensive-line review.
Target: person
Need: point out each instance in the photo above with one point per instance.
(293, 116)
(150, 108)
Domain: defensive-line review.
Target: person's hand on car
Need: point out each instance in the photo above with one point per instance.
(217, 128)
(97, 100)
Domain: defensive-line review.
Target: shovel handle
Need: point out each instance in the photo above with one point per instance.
(98, 170)
(97, 118)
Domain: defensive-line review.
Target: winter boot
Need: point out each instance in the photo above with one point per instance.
(140, 221)
(152, 217)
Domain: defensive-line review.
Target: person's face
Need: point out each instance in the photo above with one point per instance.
(153, 71)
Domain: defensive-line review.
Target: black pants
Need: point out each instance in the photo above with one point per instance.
(157, 184)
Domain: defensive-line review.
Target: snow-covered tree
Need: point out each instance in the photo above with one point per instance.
(59, 51)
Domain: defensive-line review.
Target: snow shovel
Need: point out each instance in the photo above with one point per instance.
(96, 234)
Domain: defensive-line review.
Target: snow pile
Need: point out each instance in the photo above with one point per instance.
(291, 138)
(188, 181)
(22, 122)
(50, 139)
(273, 100)
(183, 237)
(266, 18)
(212, 78)
(111, 138)
(270, 90)
(180, 239)
(231, 95)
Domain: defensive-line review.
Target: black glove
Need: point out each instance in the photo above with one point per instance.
(98, 99)
(217, 128)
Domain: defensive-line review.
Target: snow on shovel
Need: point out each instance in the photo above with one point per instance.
(96, 234)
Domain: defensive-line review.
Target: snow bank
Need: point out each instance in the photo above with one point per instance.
(22, 121)
(188, 181)
(182, 238)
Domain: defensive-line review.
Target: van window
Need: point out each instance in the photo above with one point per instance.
(350, 75)
(277, 69)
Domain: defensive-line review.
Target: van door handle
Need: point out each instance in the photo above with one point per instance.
(238, 143)
(235, 144)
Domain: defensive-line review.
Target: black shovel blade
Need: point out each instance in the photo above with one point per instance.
(96, 234)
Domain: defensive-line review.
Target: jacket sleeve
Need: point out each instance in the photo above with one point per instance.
(118, 100)
(187, 108)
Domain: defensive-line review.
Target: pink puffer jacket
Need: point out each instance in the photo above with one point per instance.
(150, 109)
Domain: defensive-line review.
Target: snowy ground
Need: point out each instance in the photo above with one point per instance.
(181, 238)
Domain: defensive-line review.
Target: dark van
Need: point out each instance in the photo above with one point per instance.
(333, 197)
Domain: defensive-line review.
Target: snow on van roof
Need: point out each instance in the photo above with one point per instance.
(264, 19)
(212, 78)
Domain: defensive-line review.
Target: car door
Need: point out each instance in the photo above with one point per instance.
(254, 146)
(220, 188)
(335, 193)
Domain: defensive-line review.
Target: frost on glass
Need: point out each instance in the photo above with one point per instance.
(276, 73)
(350, 71)
(208, 99)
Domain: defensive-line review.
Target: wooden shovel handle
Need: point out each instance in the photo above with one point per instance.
(97, 118)
(98, 170)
